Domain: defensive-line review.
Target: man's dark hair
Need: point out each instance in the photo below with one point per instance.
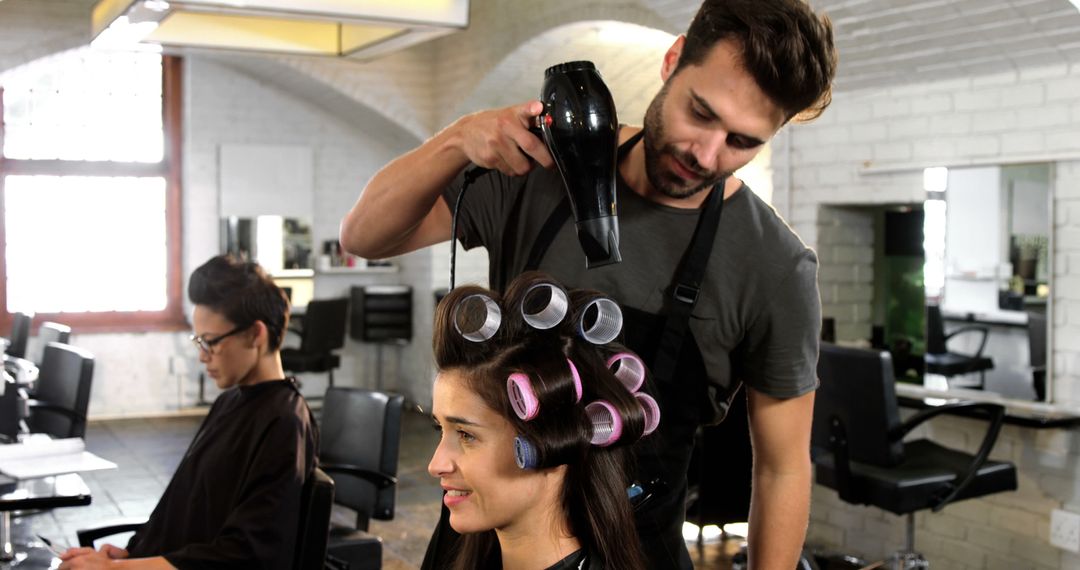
(243, 293)
(785, 46)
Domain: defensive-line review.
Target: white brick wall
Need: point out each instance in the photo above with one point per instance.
(227, 107)
(1028, 113)
(1002, 118)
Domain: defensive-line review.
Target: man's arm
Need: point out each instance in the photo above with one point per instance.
(780, 500)
(401, 209)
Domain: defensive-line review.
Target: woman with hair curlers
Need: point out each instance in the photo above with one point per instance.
(538, 407)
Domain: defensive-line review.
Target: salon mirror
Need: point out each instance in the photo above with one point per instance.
(278, 243)
(985, 273)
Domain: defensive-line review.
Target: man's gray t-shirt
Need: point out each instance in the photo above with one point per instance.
(758, 314)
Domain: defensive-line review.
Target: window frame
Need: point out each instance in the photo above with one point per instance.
(172, 317)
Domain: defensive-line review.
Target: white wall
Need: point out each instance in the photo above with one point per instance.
(870, 148)
(1031, 114)
(227, 107)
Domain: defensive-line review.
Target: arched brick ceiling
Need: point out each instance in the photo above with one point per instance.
(881, 43)
(628, 57)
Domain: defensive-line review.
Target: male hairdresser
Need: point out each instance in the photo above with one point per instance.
(745, 300)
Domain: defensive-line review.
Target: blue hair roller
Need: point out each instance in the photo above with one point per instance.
(525, 453)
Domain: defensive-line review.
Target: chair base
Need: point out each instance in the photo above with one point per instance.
(7, 551)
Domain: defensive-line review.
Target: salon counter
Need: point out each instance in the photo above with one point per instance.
(1026, 414)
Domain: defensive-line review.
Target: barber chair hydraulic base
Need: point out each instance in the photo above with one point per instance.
(7, 552)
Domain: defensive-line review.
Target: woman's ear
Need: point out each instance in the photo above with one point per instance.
(260, 336)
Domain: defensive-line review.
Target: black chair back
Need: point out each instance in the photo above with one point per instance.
(313, 533)
(857, 386)
(382, 313)
(324, 325)
(935, 330)
(49, 332)
(63, 386)
(1037, 339)
(1037, 349)
(9, 409)
(362, 428)
(20, 334)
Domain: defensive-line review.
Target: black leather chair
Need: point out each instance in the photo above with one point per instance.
(16, 362)
(9, 409)
(62, 394)
(859, 448)
(948, 364)
(1037, 350)
(382, 314)
(48, 332)
(360, 436)
(20, 334)
(321, 333)
(311, 534)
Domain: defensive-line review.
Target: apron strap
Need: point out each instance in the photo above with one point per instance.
(684, 290)
(562, 213)
(683, 294)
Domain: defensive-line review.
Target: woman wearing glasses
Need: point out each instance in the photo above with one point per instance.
(234, 500)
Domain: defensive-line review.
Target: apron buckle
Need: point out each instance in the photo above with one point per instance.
(686, 293)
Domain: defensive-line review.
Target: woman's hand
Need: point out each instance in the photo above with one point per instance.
(85, 557)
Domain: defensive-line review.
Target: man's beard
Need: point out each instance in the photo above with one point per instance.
(664, 181)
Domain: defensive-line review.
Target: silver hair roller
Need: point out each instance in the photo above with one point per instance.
(608, 323)
(552, 313)
(465, 320)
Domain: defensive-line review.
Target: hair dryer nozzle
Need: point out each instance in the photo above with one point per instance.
(581, 131)
(599, 239)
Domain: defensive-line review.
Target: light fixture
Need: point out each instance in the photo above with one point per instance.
(351, 28)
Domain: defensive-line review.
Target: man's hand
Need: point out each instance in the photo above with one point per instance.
(85, 557)
(500, 139)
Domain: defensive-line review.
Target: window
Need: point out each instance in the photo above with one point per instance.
(89, 191)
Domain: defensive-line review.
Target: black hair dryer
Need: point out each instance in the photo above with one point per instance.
(578, 124)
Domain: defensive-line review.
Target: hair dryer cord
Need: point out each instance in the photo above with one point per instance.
(471, 175)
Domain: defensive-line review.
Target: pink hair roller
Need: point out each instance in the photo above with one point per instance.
(522, 398)
(651, 410)
(577, 379)
(630, 371)
(606, 423)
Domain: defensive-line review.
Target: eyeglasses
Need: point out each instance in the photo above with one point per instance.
(207, 344)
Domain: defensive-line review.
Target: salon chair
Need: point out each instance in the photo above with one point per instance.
(322, 332)
(48, 332)
(10, 406)
(859, 450)
(62, 393)
(1037, 350)
(382, 314)
(20, 334)
(312, 531)
(16, 362)
(939, 360)
(360, 435)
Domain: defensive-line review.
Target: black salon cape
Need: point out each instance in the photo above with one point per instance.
(234, 500)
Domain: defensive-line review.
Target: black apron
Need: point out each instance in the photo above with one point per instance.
(668, 347)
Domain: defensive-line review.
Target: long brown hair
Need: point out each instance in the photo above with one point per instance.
(594, 500)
